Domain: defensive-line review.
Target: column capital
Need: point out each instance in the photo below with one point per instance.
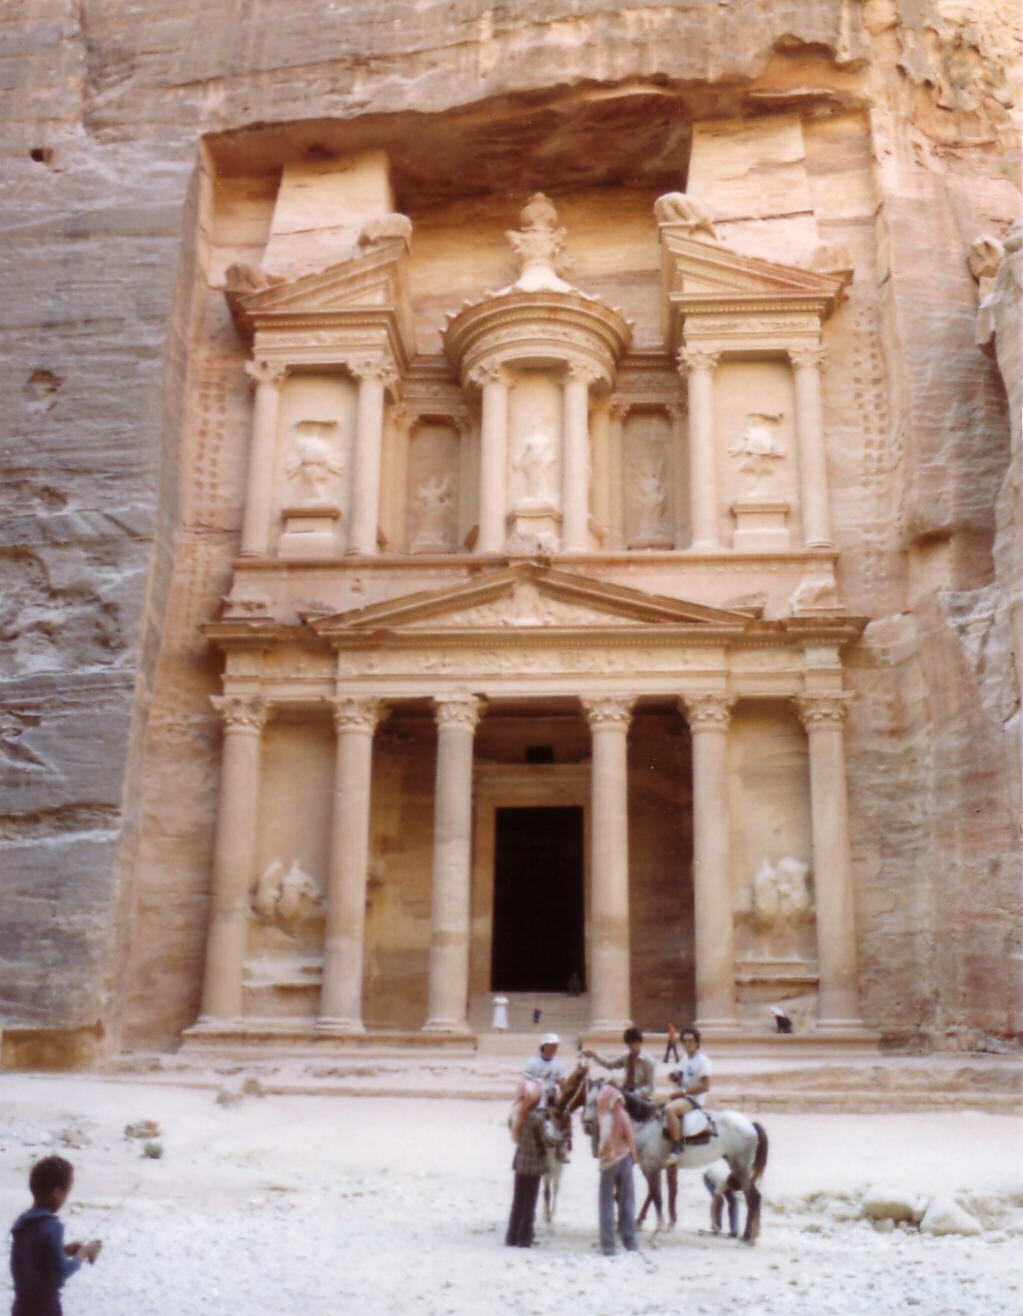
(355, 713)
(803, 358)
(487, 372)
(372, 367)
(609, 712)
(618, 408)
(461, 711)
(690, 359)
(266, 372)
(582, 372)
(709, 711)
(823, 709)
(241, 712)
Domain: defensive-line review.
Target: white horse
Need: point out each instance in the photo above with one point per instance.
(573, 1095)
(741, 1142)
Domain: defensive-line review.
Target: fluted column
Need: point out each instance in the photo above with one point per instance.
(823, 716)
(806, 366)
(575, 459)
(373, 377)
(234, 855)
(698, 365)
(609, 863)
(708, 716)
(259, 485)
(452, 846)
(493, 458)
(355, 721)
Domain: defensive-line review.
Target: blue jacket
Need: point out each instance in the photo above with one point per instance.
(38, 1264)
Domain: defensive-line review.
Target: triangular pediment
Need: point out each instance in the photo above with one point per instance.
(695, 268)
(525, 599)
(373, 283)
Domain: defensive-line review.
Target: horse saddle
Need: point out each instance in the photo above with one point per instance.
(697, 1128)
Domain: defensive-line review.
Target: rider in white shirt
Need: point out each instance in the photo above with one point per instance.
(693, 1079)
(549, 1070)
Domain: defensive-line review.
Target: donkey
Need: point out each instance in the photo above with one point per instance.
(573, 1095)
(739, 1140)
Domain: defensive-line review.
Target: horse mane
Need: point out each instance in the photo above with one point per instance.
(640, 1109)
(572, 1089)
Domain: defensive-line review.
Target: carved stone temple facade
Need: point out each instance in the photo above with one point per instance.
(547, 571)
(510, 500)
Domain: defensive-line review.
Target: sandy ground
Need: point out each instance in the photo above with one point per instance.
(302, 1204)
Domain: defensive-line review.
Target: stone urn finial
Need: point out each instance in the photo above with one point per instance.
(538, 245)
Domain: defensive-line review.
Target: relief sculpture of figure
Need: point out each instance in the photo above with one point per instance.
(432, 503)
(313, 464)
(532, 464)
(781, 901)
(652, 501)
(759, 448)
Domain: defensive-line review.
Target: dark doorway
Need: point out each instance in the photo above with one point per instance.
(538, 900)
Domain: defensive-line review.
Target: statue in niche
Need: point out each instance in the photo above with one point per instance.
(651, 501)
(290, 900)
(314, 465)
(782, 904)
(432, 506)
(532, 464)
(683, 211)
(759, 448)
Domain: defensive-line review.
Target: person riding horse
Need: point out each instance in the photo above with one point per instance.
(692, 1079)
(549, 1072)
(640, 1068)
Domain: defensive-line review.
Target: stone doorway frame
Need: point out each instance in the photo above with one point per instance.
(517, 785)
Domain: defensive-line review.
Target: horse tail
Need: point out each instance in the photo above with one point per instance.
(760, 1158)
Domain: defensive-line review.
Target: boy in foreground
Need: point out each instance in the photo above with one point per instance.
(40, 1259)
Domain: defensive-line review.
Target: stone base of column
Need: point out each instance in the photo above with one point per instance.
(338, 1027)
(712, 1024)
(615, 1026)
(839, 1026)
(210, 1023)
(459, 1028)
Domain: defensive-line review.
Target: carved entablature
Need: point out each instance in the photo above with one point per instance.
(717, 299)
(356, 315)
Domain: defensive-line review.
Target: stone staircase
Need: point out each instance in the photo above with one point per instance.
(565, 1015)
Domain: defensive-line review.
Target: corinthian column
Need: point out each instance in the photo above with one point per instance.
(373, 377)
(609, 901)
(493, 457)
(452, 843)
(823, 716)
(806, 365)
(708, 716)
(341, 994)
(259, 486)
(234, 854)
(575, 459)
(698, 365)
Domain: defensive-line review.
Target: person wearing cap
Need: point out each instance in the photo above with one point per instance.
(549, 1072)
(639, 1066)
(692, 1080)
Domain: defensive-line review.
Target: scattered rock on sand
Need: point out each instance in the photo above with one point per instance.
(142, 1129)
(225, 1097)
(253, 1088)
(892, 1204)
(944, 1216)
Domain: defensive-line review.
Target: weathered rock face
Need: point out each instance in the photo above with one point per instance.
(144, 154)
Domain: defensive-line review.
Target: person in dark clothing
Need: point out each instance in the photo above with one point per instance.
(40, 1259)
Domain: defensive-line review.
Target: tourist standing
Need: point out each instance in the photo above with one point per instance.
(616, 1150)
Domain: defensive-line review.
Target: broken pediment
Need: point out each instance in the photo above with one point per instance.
(703, 281)
(528, 598)
(370, 289)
